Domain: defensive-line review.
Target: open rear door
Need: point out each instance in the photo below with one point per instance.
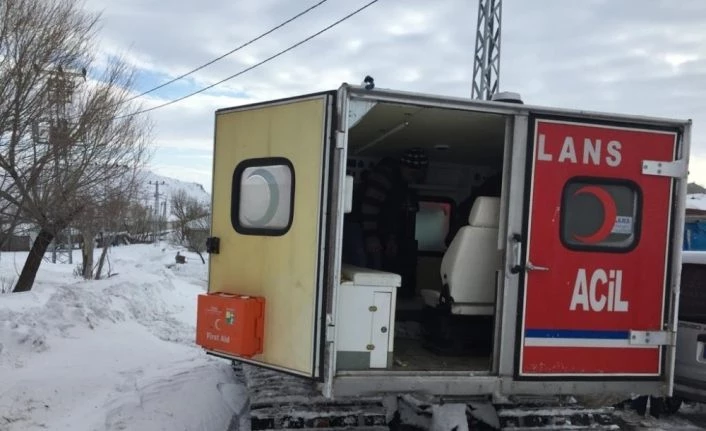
(269, 204)
(597, 252)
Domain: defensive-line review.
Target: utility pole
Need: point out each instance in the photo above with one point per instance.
(486, 61)
(60, 90)
(156, 207)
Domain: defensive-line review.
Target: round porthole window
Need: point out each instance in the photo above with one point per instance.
(599, 214)
(264, 195)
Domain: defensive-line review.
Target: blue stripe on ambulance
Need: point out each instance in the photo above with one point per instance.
(579, 338)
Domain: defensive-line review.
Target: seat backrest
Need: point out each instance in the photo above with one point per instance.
(485, 212)
(470, 263)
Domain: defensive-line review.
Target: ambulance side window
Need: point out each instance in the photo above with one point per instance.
(600, 215)
(692, 305)
(432, 224)
(262, 196)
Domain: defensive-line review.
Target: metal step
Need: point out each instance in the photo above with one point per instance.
(317, 416)
(566, 428)
(557, 417)
(279, 401)
(378, 428)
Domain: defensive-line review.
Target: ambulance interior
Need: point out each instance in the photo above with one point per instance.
(452, 241)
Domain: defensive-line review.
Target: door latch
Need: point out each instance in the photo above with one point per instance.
(213, 245)
(517, 253)
(517, 256)
(532, 267)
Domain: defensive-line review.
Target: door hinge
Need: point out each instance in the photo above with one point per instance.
(652, 338)
(330, 328)
(340, 136)
(675, 169)
(357, 109)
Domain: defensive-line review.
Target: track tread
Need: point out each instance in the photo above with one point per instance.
(279, 401)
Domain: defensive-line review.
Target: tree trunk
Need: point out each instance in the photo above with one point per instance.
(31, 266)
(87, 253)
(107, 242)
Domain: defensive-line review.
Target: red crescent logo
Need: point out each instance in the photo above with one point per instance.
(608, 218)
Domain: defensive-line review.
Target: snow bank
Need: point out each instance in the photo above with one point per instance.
(110, 354)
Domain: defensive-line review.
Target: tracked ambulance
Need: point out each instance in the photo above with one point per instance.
(562, 285)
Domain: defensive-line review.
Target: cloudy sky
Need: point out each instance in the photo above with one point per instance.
(628, 56)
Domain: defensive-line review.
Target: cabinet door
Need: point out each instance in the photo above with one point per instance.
(380, 329)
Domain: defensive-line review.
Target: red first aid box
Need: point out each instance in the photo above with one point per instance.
(230, 323)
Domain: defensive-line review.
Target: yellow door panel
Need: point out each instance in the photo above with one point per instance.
(280, 265)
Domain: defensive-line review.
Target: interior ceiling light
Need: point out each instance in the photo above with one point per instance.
(441, 147)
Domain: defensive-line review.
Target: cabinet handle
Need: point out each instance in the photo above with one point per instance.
(383, 329)
(372, 308)
(370, 347)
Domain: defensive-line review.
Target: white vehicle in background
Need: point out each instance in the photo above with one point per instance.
(690, 368)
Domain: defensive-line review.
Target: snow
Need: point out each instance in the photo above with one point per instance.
(667, 423)
(696, 201)
(449, 417)
(111, 354)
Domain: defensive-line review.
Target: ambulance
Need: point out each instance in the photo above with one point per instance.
(565, 282)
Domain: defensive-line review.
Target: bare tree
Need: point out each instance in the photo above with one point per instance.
(192, 221)
(196, 235)
(88, 224)
(9, 212)
(185, 209)
(138, 222)
(105, 215)
(115, 208)
(62, 135)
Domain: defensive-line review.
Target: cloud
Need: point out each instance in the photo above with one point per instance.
(634, 56)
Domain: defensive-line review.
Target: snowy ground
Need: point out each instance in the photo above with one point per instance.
(115, 354)
(119, 354)
(691, 417)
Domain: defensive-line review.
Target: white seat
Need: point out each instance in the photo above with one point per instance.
(469, 265)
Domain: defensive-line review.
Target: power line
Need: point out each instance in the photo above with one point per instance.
(301, 42)
(251, 41)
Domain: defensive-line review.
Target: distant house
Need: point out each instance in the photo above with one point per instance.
(21, 239)
(17, 243)
(199, 225)
(25, 233)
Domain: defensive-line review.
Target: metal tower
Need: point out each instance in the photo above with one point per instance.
(486, 64)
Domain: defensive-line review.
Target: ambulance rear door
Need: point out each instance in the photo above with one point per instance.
(270, 204)
(595, 266)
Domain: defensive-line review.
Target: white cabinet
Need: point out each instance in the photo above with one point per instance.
(365, 324)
